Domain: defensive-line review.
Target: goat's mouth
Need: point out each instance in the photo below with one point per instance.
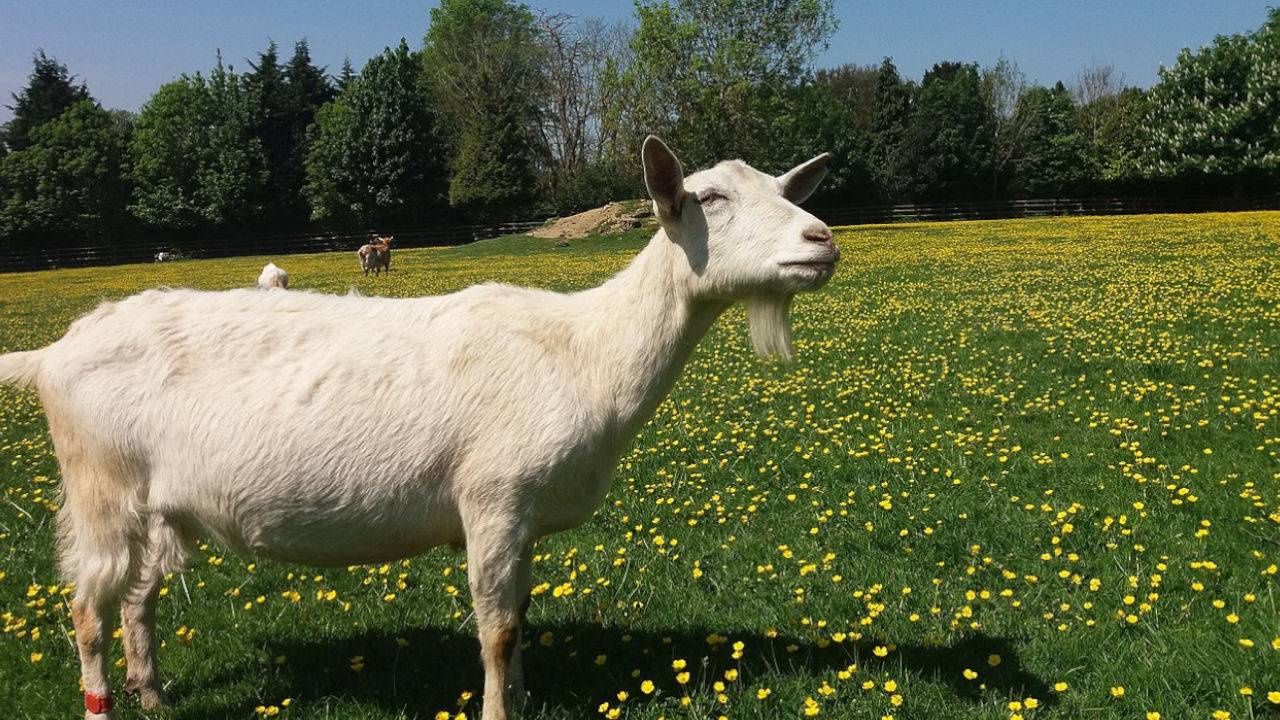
(819, 266)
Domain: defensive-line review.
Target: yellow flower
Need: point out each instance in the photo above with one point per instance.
(763, 693)
(1060, 686)
(970, 674)
(1117, 691)
(646, 687)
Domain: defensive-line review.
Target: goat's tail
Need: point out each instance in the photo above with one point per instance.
(20, 368)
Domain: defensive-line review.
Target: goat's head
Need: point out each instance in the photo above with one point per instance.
(745, 235)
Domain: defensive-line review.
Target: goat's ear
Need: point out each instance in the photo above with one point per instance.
(800, 181)
(664, 177)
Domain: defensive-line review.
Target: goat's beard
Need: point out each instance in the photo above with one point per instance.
(769, 319)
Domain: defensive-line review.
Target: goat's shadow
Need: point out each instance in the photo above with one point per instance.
(423, 670)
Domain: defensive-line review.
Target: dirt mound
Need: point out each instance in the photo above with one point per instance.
(614, 217)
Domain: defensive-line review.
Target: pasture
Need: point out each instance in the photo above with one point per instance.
(1020, 469)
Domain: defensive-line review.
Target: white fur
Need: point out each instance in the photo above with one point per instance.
(273, 277)
(489, 417)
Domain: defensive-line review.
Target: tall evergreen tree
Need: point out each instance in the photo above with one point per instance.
(950, 138)
(49, 92)
(375, 154)
(493, 171)
(347, 75)
(890, 123)
(307, 89)
(271, 125)
(482, 60)
(285, 99)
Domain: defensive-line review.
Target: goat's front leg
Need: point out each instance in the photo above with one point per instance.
(496, 555)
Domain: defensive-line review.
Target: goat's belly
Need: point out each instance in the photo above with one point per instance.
(351, 541)
(348, 524)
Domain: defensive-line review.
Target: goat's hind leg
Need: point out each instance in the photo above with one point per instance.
(166, 551)
(98, 541)
(524, 584)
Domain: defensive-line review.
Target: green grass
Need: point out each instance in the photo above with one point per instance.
(1053, 441)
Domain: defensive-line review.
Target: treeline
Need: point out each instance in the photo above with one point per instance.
(504, 112)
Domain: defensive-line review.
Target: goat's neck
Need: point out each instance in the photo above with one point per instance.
(643, 324)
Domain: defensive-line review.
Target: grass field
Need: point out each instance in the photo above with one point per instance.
(1020, 469)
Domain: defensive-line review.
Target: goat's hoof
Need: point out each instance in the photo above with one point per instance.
(150, 696)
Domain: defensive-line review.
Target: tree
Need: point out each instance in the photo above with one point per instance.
(1003, 85)
(890, 124)
(307, 88)
(346, 76)
(583, 163)
(1053, 159)
(1118, 140)
(824, 123)
(375, 154)
(68, 182)
(483, 60)
(49, 92)
(713, 76)
(949, 143)
(1213, 114)
(195, 160)
(492, 172)
(853, 86)
(1095, 92)
(285, 99)
(576, 57)
(271, 125)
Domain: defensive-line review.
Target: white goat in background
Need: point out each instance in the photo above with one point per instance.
(273, 277)
(503, 412)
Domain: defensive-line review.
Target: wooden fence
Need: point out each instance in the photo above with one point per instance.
(995, 210)
(19, 258)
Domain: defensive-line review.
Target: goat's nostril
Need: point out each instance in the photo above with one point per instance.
(818, 234)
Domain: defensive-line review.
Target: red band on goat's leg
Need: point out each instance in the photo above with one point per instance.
(97, 704)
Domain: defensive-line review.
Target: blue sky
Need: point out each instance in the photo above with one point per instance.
(124, 50)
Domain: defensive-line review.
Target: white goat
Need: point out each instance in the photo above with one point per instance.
(504, 411)
(273, 277)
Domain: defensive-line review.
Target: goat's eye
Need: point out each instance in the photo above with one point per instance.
(707, 197)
